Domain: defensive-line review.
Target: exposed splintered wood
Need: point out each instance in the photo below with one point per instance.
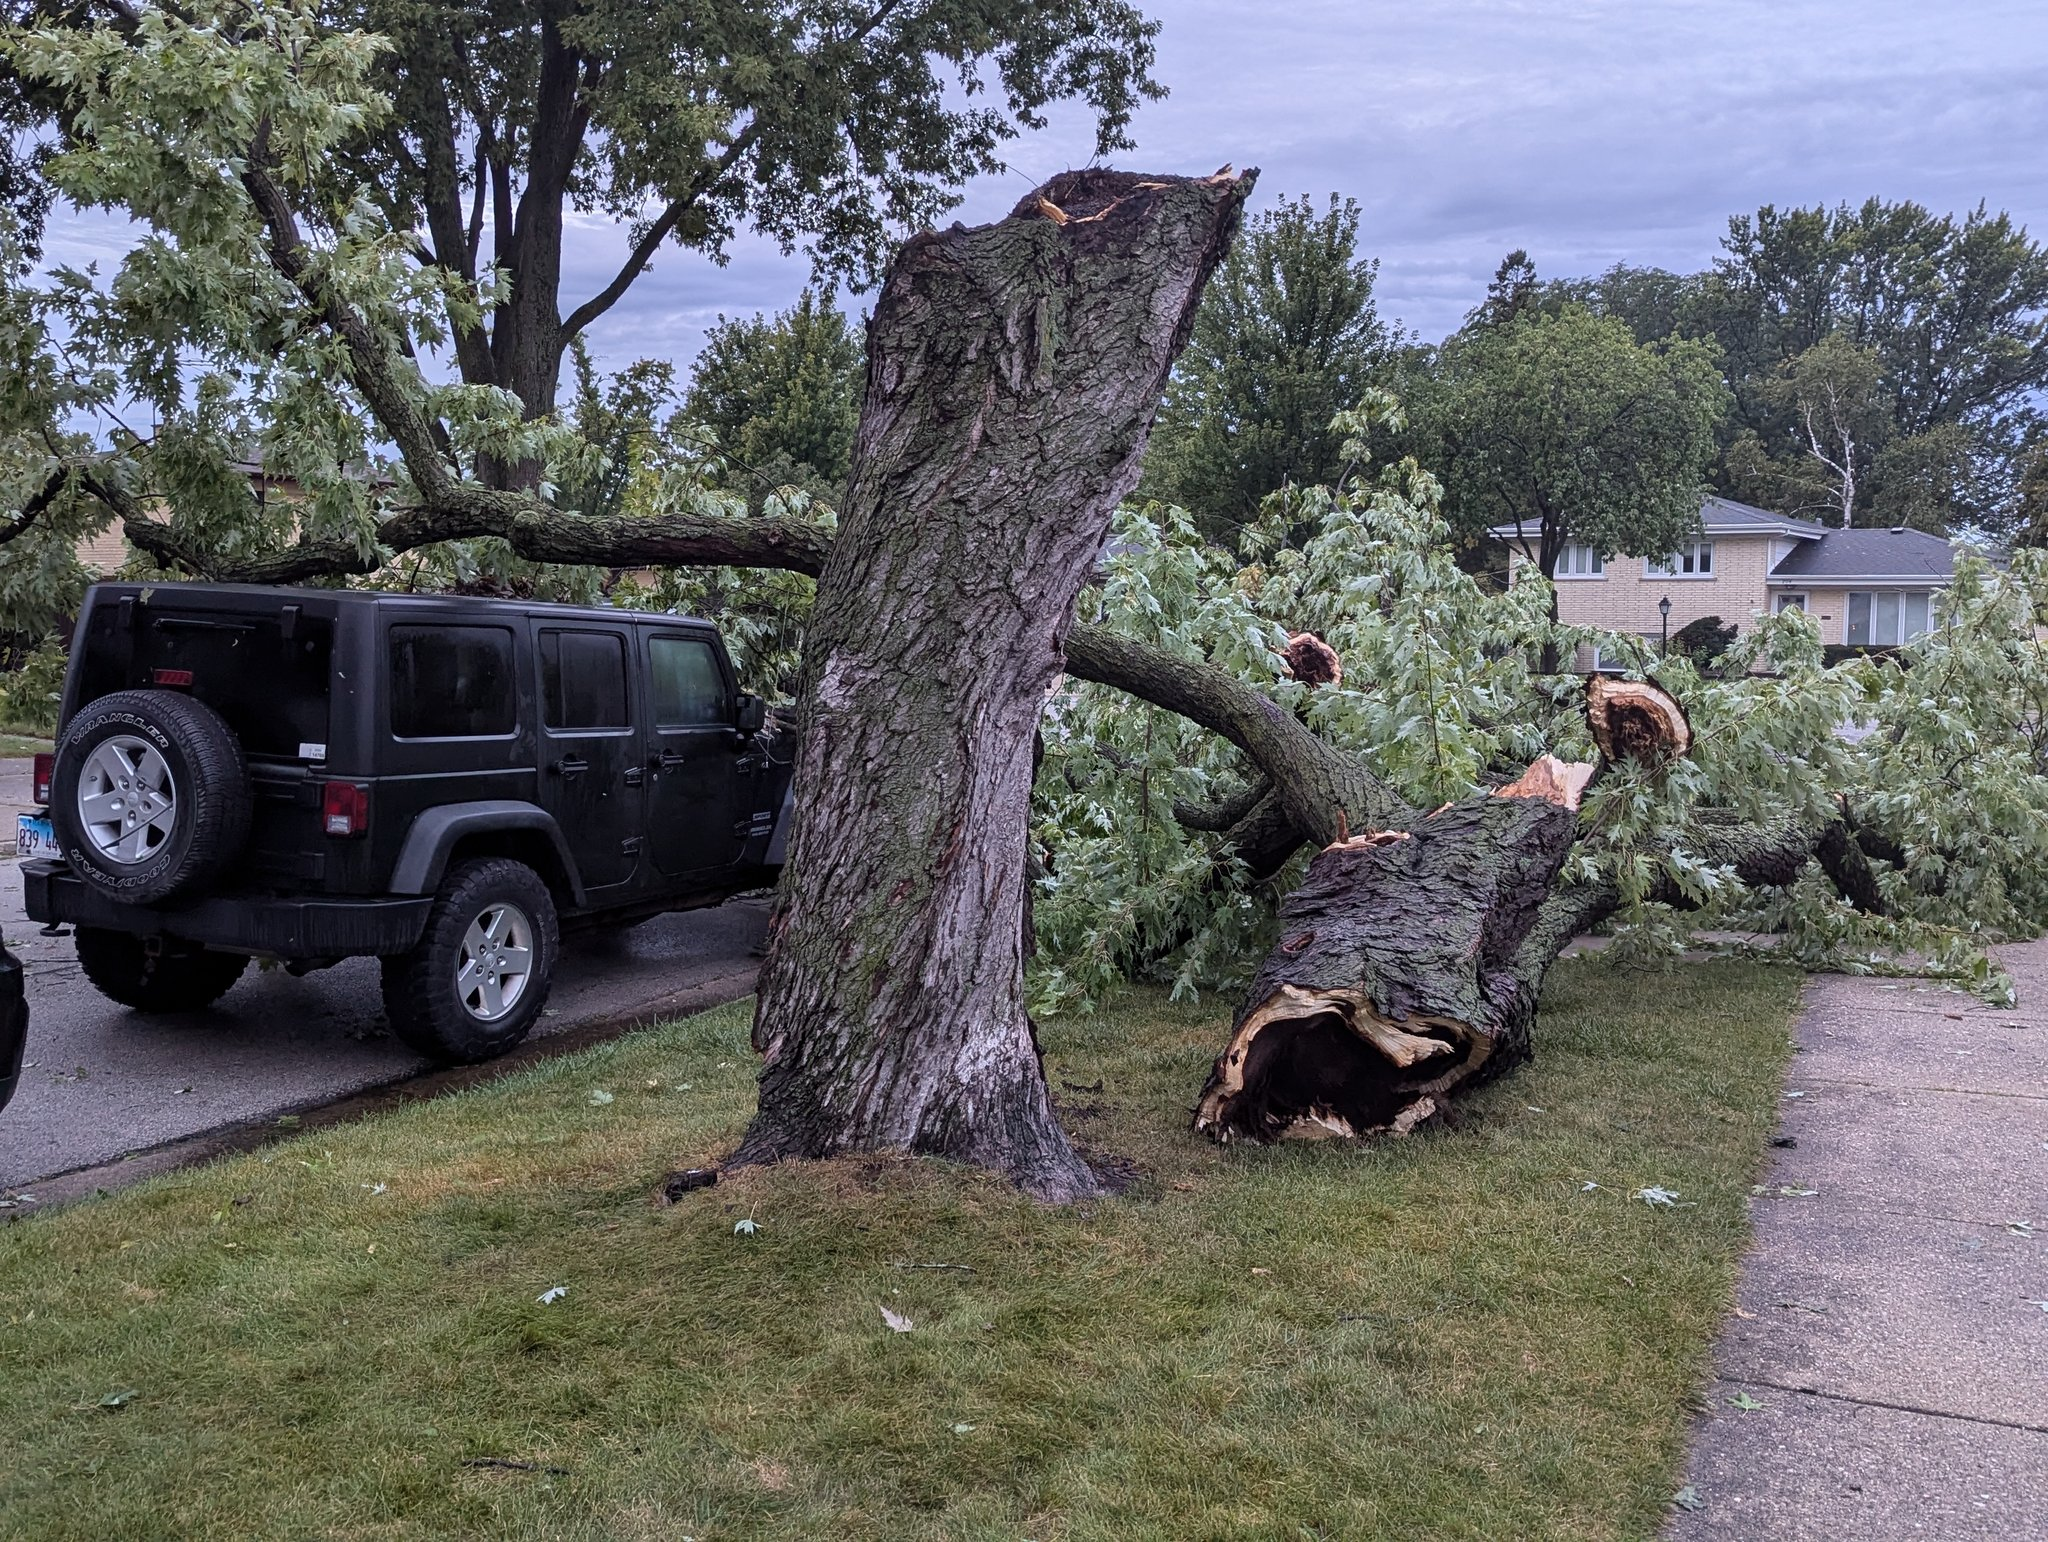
(1635, 720)
(1562, 782)
(1395, 982)
(1013, 372)
(1312, 661)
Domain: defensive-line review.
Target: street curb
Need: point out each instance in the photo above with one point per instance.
(253, 1134)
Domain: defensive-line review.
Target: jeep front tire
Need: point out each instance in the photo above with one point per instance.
(155, 975)
(475, 983)
(150, 796)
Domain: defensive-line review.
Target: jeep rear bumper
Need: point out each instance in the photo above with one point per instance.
(240, 923)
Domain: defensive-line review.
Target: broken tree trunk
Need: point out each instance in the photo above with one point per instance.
(1013, 371)
(1395, 981)
(1635, 720)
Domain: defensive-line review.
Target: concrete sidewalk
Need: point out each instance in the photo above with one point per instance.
(1891, 1321)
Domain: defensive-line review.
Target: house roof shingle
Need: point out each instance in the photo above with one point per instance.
(1724, 516)
(1897, 554)
(1718, 516)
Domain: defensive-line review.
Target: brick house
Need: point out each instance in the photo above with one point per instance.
(1869, 587)
(106, 554)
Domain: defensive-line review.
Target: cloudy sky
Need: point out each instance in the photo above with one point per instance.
(1587, 131)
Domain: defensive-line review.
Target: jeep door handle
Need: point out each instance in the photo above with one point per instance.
(668, 760)
(570, 765)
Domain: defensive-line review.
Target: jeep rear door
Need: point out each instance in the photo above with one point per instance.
(592, 779)
(695, 821)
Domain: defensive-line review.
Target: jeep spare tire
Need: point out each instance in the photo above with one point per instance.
(150, 797)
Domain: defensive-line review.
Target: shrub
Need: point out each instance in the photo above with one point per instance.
(29, 694)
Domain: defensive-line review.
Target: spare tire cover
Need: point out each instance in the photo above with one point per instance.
(150, 797)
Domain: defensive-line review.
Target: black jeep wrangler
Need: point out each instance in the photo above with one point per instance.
(309, 775)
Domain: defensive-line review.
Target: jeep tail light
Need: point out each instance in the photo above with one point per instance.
(179, 679)
(344, 808)
(46, 767)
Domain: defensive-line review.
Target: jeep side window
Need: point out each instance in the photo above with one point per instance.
(451, 682)
(688, 688)
(583, 679)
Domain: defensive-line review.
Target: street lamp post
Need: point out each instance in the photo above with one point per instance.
(1664, 613)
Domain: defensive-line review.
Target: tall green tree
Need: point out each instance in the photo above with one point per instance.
(781, 394)
(1952, 311)
(1288, 336)
(1564, 425)
(831, 125)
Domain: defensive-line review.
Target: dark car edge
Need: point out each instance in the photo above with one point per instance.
(446, 783)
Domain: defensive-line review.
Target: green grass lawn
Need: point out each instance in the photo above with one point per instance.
(1453, 1336)
(14, 746)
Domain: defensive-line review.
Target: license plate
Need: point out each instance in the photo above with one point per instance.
(33, 837)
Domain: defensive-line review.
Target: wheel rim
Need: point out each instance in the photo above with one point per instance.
(496, 962)
(127, 802)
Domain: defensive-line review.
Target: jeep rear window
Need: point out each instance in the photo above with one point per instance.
(271, 688)
(451, 682)
(688, 688)
(583, 679)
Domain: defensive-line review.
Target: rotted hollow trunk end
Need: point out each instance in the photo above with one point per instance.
(1326, 1065)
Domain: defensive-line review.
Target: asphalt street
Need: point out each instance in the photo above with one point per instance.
(100, 1082)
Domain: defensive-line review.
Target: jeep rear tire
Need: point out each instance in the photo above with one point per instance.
(150, 796)
(475, 983)
(175, 977)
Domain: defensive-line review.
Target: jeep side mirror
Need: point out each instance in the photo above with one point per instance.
(750, 713)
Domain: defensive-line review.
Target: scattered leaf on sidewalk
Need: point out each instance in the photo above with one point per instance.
(1795, 1095)
(1688, 1498)
(552, 1294)
(1790, 1192)
(745, 1228)
(2020, 1228)
(897, 1322)
(1745, 1402)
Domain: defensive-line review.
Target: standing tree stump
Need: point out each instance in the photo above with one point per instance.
(1013, 373)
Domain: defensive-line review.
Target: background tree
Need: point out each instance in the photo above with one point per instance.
(1949, 313)
(781, 395)
(1564, 425)
(834, 126)
(828, 125)
(1840, 423)
(1288, 337)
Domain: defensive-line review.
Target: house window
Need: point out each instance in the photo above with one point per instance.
(1578, 560)
(1787, 602)
(1695, 560)
(1885, 618)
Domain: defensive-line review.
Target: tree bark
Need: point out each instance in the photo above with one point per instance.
(1013, 373)
(1395, 980)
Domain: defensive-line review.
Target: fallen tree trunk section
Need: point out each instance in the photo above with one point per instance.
(1396, 980)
